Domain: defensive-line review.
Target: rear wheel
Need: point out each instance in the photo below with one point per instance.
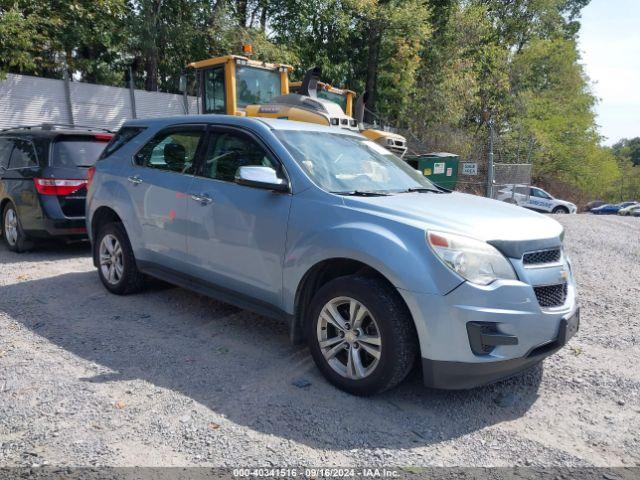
(15, 238)
(116, 263)
(361, 335)
(562, 210)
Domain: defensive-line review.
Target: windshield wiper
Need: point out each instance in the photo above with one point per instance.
(364, 193)
(421, 189)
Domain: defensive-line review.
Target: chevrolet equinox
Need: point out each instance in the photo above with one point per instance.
(368, 261)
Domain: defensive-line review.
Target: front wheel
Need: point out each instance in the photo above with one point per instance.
(560, 210)
(116, 263)
(361, 335)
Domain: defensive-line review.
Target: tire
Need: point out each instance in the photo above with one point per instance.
(14, 237)
(386, 321)
(562, 210)
(119, 272)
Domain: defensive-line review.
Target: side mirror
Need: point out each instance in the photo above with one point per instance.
(183, 83)
(261, 177)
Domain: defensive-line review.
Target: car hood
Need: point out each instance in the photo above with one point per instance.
(491, 220)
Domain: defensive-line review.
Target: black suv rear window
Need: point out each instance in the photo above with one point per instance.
(77, 151)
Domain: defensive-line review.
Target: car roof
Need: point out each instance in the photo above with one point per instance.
(230, 120)
(40, 132)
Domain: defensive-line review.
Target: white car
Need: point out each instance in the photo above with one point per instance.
(535, 198)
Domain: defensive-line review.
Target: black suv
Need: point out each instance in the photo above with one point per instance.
(43, 180)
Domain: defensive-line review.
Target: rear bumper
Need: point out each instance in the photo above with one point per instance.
(50, 221)
(464, 375)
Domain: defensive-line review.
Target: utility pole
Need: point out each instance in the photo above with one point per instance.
(132, 92)
(489, 120)
(67, 91)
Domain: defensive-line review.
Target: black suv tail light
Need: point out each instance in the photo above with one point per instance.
(56, 186)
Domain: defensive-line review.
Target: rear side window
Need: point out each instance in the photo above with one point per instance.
(172, 150)
(23, 155)
(124, 135)
(5, 151)
(77, 151)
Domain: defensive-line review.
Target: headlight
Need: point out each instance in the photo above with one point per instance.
(474, 260)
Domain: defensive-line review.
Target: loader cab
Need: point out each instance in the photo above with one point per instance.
(228, 84)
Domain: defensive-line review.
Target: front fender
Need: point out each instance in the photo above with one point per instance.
(319, 232)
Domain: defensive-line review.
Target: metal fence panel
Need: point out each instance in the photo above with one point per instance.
(100, 105)
(28, 100)
(157, 104)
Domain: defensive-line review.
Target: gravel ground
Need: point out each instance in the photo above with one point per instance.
(170, 378)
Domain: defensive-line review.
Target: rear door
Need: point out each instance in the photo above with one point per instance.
(158, 181)
(18, 181)
(5, 152)
(237, 233)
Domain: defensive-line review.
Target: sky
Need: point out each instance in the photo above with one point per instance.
(610, 46)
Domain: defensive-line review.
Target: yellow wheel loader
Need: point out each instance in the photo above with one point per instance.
(353, 107)
(238, 85)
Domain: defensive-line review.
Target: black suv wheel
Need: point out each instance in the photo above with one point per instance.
(361, 335)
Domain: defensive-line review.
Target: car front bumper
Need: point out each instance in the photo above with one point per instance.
(520, 332)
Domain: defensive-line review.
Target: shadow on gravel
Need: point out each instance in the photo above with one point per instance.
(49, 251)
(242, 366)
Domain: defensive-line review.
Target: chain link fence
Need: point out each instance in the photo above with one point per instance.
(512, 169)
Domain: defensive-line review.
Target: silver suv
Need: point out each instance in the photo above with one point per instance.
(369, 263)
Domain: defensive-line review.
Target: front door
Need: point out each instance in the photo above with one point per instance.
(158, 183)
(237, 234)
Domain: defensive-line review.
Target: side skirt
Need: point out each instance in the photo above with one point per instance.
(215, 291)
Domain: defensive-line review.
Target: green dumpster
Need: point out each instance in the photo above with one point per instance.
(439, 167)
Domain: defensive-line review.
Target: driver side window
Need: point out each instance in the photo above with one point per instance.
(227, 152)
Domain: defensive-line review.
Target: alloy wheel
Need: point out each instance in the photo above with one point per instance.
(349, 338)
(11, 226)
(111, 259)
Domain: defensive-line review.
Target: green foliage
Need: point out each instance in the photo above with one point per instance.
(433, 67)
(627, 155)
(17, 34)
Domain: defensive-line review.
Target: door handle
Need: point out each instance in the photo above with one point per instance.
(202, 198)
(135, 179)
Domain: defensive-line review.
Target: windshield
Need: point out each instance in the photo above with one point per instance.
(342, 163)
(77, 152)
(256, 85)
(333, 97)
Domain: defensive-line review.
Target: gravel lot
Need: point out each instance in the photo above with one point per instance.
(170, 378)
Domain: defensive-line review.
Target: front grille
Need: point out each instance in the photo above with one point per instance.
(541, 257)
(551, 295)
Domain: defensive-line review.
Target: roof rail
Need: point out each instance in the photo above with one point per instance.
(53, 126)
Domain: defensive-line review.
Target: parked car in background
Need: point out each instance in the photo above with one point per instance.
(593, 204)
(367, 260)
(629, 209)
(635, 212)
(611, 208)
(43, 178)
(535, 198)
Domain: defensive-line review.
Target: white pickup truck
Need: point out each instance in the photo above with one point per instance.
(535, 198)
